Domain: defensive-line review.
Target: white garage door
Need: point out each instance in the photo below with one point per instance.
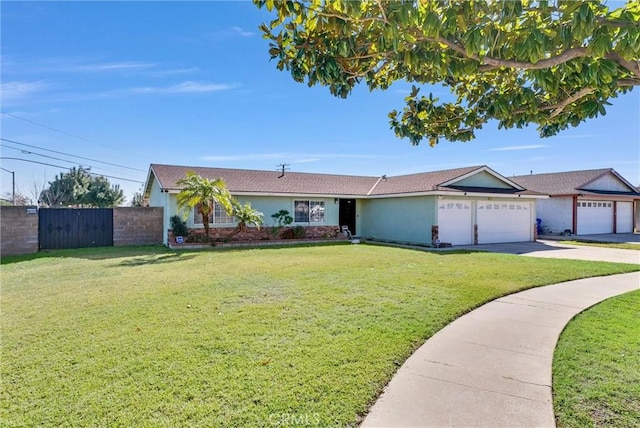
(454, 222)
(595, 217)
(504, 222)
(624, 217)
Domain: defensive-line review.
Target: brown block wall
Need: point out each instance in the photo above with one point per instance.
(18, 231)
(137, 225)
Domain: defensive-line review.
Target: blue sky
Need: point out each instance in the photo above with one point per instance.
(190, 83)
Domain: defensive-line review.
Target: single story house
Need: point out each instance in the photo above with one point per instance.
(473, 205)
(585, 202)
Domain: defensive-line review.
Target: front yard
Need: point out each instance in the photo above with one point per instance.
(596, 366)
(263, 337)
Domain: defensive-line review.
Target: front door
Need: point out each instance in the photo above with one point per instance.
(347, 214)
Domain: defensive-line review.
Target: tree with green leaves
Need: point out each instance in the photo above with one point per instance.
(67, 188)
(245, 215)
(202, 194)
(101, 194)
(551, 63)
(79, 188)
(137, 200)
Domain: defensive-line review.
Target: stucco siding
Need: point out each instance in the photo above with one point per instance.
(157, 198)
(398, 219)
(269, 205)
(483, 179)
(608, 182)
(360, 206)
(556, 213)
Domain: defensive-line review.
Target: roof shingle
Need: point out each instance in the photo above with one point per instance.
(298, 183)
(563, 183)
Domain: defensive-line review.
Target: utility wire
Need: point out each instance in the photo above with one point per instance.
(66, 167)
(75, 156)
(58, 130)
(27, 152)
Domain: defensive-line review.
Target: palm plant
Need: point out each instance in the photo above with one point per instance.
(202, 194)
(245, 215)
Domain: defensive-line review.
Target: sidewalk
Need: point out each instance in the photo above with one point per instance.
(492, 366)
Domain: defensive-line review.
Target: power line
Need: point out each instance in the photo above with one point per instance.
(57, 130)
(66, 167)
(75, 156)
(27, 152)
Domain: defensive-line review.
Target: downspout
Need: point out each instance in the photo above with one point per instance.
(615, 216)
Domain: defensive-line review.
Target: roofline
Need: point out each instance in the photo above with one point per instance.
(284, 194)
(591, 195)
(148, 182)
(484, 168)
(457, 194)
(615, 173)
(384, 196)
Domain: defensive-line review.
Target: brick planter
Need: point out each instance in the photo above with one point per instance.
(257, 238)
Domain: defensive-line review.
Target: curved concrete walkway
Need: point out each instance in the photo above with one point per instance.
(492, 366)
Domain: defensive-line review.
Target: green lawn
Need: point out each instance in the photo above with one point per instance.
(596, 367)
(148, 337)
(620, 245)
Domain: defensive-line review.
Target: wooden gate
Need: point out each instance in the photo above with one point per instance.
(75, 228)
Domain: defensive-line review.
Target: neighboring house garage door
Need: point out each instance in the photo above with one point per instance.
(624, 217)
(595, 217)
(454, 222)
(504, 222)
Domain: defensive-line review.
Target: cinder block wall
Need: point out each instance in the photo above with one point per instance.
(137, 225)
(18, 230)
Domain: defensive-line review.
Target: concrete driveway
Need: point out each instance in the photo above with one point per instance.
(557, 250)
(627, 238)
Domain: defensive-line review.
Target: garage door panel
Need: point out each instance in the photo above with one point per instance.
(624, 217)
(504, 222)
(455, 222)
(595, 217)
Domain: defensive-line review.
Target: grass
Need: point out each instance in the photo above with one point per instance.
(620, 245)
(261, 337)
(596, 367)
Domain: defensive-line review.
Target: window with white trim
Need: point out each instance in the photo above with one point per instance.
(218, 215)
(308, 211)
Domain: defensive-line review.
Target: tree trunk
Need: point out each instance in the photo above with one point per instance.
(205, 222)
(241, 227)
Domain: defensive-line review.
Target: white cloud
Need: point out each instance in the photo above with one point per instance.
(107, 66)
(509, 148)
(188, 87)
(17, 89)
(240, 32)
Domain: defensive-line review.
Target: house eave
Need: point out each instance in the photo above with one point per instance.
(459, 194)
(285, 194)
(456, 193)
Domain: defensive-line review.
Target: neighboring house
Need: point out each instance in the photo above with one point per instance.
(585, 202)
(473, 205)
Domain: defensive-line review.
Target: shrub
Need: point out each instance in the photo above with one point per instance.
(282, 218)
(179, 226)
(299, 232)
